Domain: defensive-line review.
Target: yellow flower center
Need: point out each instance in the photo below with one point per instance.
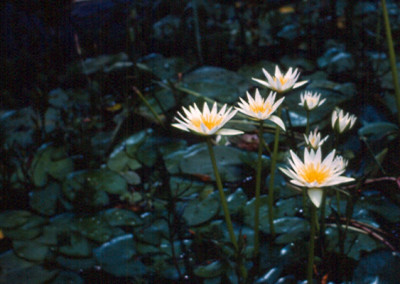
(283, 80)
(256, 108)
(312, 173)
(210, 121)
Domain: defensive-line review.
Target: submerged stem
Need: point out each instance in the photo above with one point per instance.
(272, 178)
(222, 195)
(310, 264)
(258, 188)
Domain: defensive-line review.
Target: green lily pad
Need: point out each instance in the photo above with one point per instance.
(18, 270)
(122, 217)
(95, 180)
(381, 206)
(95, 228)
(133, 142)
(196, 160)
(118, 257)
(120, 161)
(236, 201)
(103, 63)
(153, 233)
(50, 160)
(14, 218)
(76, 264)
(76, 245)
(378, 267)
(214, 269)
(355, 244)
(378, 130)
(263, 213)
(216, 83)
(31, 229)
(19, 127)
(31, 250)
(291, 229)
(199, 211)
(183, 187)
(44, 201)
(66, 277)
(162, 67)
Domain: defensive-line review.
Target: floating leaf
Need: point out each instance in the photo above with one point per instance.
(44, 201)
(66, 277)
(200, 211)
(122, 217)
(50, 160)
(95, 228)
(13, 218)
(31, 250)
(214, 269)
(378, 130)
(118, 257)
(75, 245)
(378, 267)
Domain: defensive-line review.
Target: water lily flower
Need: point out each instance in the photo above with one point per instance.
(208, 122)
(310, 101)
(314, 173)
(342, 122)
(314, 139)
(281, 83)
(261, 109)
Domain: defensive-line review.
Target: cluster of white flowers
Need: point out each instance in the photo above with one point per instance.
(312, 173)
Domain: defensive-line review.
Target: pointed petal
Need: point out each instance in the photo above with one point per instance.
(275, 119)
(227, 131)
(299, 84)
(315, 195)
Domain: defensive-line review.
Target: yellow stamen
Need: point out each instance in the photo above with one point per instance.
(283, 80)
(210, 121)
(256, 108)
(312, 173)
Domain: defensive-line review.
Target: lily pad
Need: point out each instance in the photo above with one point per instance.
(122, 217)
(95, 228)
(118, 257)
(66, 277)
(101, 180)
(236, 201)
(378, 267)
(76, 264)
(17, 270)
(162, 67)
(44, 201)
(214, 269)
(31, 250)
(199, 211)
(195, 160)
(50, 160)
(216, 83)
(76, 246)
(14, 218)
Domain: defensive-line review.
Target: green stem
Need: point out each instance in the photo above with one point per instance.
(308, 123)
(222, 196)
(258, 188)
(156, 116)
(272, 178)
(392, 57)
(310, 264)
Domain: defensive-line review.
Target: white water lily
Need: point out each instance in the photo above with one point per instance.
(314, 173)
(208, 122)
(281, 83)
(310, 101)
(342, 122)
(314, 139)
(261, 109)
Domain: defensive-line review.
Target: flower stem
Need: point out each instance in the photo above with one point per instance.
(272, 178)
(310, 265)
(222, 195)
(392, 57)
(308, 123)
(258, 188)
